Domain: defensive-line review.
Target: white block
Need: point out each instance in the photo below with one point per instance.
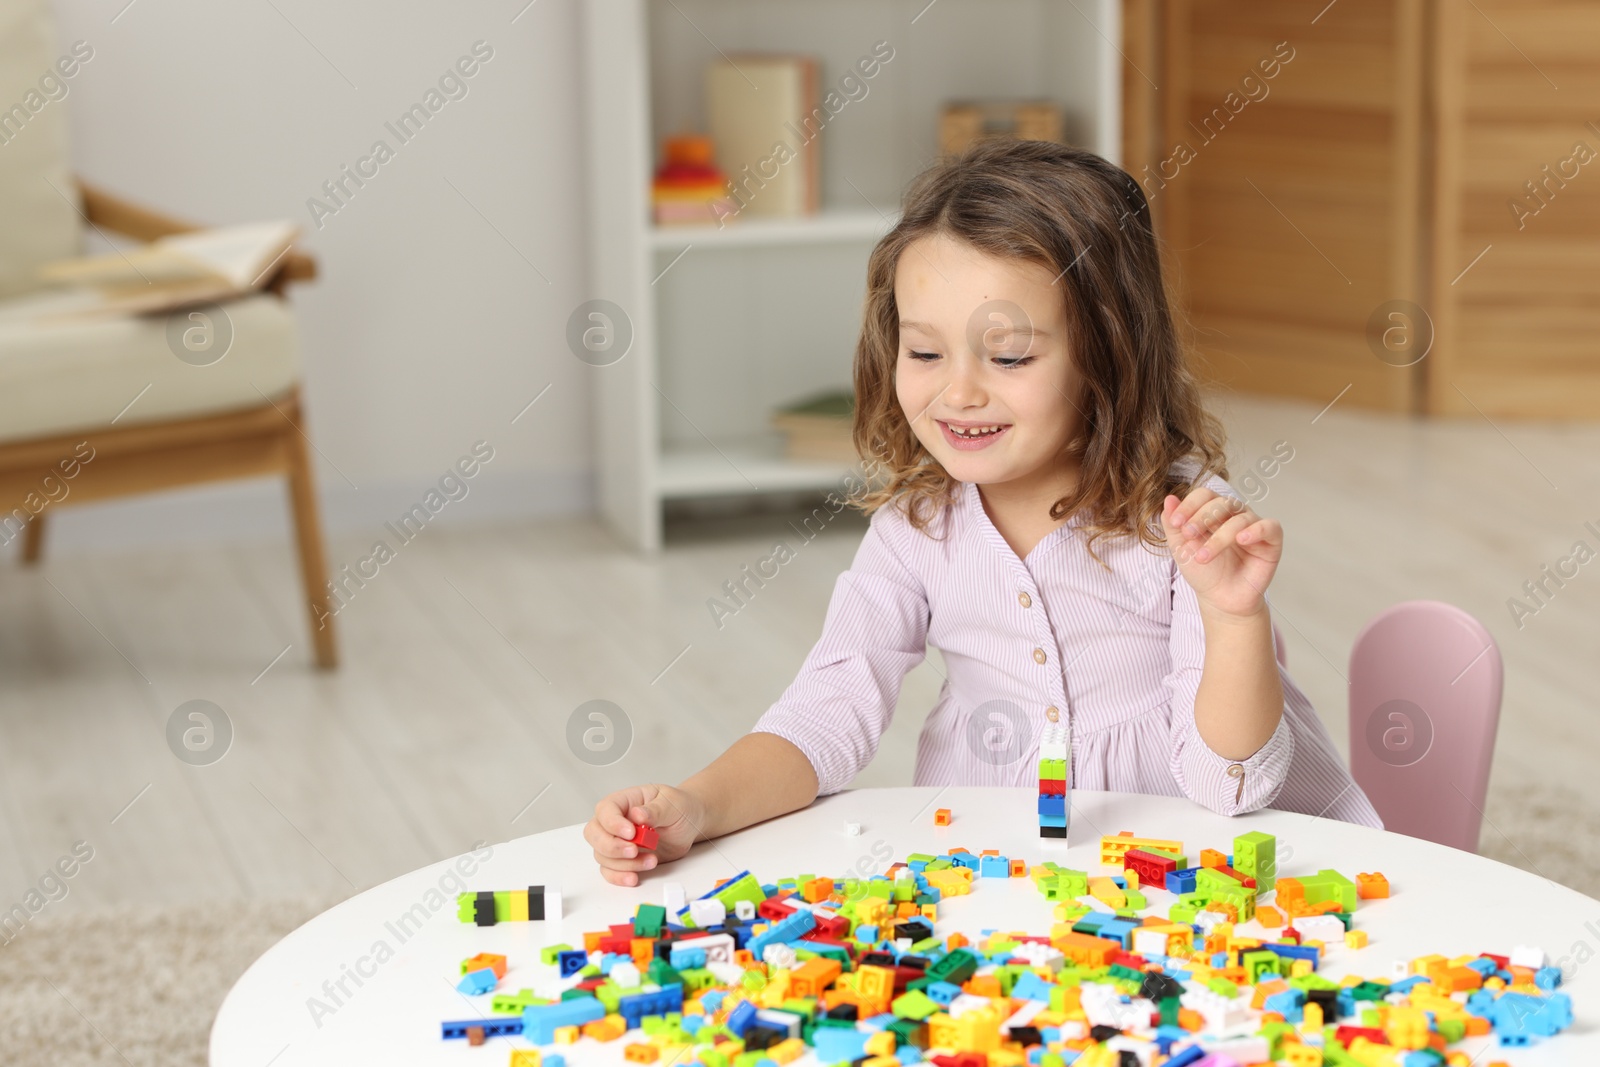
(1249, 1048)
(1325, 928)
(779, 955)
(744, 909)
(852, 829)
(552, 905)
(1528, 956)
(726, 972)
(673, 898)
(1150, 942)
(625, 975)
(707, 912)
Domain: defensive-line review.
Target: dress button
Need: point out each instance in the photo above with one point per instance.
(1052, 713)
(1038, 655)
(1025, 600)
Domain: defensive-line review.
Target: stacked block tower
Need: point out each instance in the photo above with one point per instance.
(1055, 757)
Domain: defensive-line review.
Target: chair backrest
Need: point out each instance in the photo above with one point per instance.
(1425, 686)
(39, 203)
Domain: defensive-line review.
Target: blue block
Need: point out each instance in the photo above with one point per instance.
(636, 1006)
(784, 930)
(503, 1026)
(1052, 820)
(1309, 952)
(1191, 1055)
(1290, 1003)
(1547, 978)
(683, 957)
(740, 1018)
(941, 993)
(540, 1021)
(964, 859)
(836, 1043)
(1052, 805)
(1182, 881)
(994, 867)
(908, 1055)
(1030, 986)
(475, 983)
(572, 962)
(553, 1059)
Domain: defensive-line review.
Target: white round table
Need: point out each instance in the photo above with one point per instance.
(398, 975)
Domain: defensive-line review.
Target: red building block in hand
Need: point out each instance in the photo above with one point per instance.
(645, 836)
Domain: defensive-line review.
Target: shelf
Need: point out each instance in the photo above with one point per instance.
(824, 227)
(742, 466)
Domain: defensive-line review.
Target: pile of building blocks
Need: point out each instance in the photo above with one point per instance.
(1055, 756)
(850, 969)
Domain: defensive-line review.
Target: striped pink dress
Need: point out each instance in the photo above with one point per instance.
(1118, 655)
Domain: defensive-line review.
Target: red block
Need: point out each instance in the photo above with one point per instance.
(1346, 1034)
(645, 836)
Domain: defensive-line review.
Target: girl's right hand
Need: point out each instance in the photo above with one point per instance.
(676, 816)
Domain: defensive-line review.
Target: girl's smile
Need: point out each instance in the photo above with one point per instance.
(971, 436)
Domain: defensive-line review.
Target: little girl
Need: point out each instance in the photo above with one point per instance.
(1043, 517)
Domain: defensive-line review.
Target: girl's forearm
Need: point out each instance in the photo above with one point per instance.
(759, 777)
(1240, 699)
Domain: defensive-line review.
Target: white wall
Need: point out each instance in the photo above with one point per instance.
(428, 330)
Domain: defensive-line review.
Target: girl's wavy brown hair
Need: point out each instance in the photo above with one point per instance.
(1087, 222)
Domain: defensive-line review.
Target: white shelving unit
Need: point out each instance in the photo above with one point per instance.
(728, 323)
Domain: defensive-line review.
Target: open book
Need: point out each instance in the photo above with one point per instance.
(182, 269)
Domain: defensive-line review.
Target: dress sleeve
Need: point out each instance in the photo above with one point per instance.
(875, 632)
(1204, 776)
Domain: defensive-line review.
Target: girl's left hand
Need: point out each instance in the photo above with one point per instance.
(1225, 551)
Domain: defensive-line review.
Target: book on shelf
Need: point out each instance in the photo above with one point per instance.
(817, 427)
(179, 270)
(761, 113)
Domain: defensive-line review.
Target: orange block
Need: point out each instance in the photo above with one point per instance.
(643, 950)
(1190, 1020)
(607, 1029)
(955, 941)
(1086, 949)
(1269, 916)
(641, 1052)
(982, 985)
(1289, 890)
(1267, 989)
(1019, 869)
(813, 976)
(1210, 857)
(941, 817)
(1372, 886)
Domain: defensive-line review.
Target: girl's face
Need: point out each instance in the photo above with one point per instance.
(984, 375)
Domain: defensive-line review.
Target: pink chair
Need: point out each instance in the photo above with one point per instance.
(1425, 687)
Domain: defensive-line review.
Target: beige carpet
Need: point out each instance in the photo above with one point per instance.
(140, 986)
(133, 987)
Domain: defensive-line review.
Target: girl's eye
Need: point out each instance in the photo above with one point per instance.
(922, 357)
(1012, 362)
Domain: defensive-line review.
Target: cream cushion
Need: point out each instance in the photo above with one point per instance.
(39, 218)
(62, 372)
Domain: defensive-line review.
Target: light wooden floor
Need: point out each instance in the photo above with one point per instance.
(468, 652)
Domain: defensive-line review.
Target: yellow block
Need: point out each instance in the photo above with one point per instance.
(1355, 939)
(517, 909)
(881, 1044)
(787, 1051)
(524, 1057)
(566, 1035)
(1106, 891)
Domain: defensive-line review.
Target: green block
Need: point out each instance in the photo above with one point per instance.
(914, 1004)
(1168, 1007)
(1126, 973)
(648, 919)
(1136, 899)
(1223, 987)
(1260, 963)
(1176, 857)
(547, 955)
(954, 967)
(661, 972)
(513, 1003)
(746, 888)
(1182, 913)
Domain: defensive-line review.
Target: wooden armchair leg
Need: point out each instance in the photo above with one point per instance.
(308, 543)
(33, 540)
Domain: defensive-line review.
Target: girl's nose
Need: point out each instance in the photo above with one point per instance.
(963, 388)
